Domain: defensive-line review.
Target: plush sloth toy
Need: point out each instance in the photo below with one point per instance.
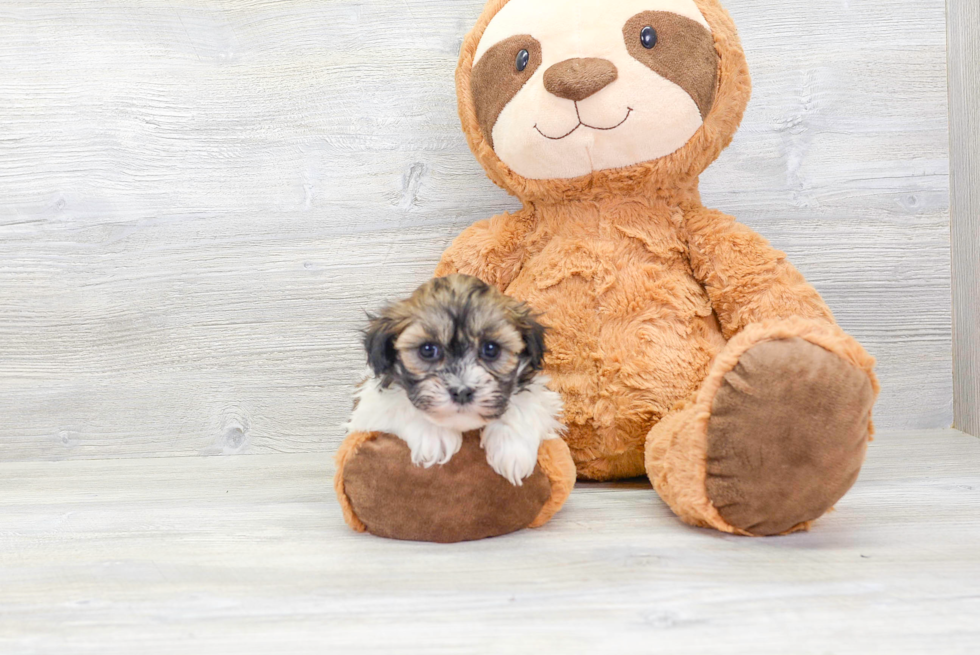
(683, 345)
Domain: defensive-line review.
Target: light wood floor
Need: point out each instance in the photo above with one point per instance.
(249, 553)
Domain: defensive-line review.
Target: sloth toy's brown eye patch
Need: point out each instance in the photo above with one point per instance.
(678, 49)
(499, 75)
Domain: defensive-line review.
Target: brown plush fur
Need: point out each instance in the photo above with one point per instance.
(673, 178)
(553, 459)
(686, 57)
(652, 298)
(608, 259)
(642, 287)
(346, 452)
(556, 462)
(675, 449)
(461, 500)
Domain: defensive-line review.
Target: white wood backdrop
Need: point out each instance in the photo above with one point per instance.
(199, 199)
(964, 116)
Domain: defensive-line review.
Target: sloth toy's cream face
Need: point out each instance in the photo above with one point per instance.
(563, 88)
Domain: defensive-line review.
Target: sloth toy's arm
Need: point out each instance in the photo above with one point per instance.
(491, 249)
(747, 279)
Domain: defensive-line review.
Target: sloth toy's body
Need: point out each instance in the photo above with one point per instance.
(683, 345)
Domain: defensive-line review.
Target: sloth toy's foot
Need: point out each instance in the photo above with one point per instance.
(786, 437)
(776, 435)
(381, 491)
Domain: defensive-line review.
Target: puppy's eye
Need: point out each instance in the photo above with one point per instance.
(648, 37)
(490, 351)
(523, 57)
(430, 351)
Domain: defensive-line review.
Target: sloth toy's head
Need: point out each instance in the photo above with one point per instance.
(563, 95)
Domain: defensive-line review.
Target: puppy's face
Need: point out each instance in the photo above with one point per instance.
(458, 347)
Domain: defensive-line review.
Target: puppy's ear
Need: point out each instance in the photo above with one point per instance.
(532, 333)
(379, 342)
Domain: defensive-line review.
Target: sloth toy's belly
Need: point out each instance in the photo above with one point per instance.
(632, 332)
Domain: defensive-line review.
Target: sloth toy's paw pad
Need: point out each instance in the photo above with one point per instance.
(787, 435)
(460, 500)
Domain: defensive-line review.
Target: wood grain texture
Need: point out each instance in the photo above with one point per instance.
(250, 554)
(198, 200)
(964, 128)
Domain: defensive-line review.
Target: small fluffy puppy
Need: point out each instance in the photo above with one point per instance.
(458, 355)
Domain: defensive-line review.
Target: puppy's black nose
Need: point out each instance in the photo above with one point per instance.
(461, 395)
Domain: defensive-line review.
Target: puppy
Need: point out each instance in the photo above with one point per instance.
(458, 355)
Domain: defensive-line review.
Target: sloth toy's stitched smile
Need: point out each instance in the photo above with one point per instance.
(629, 110)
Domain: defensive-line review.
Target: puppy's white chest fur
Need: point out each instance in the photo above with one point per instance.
(511, 442)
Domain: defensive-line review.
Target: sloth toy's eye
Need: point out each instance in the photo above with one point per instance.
(523, 57)
(648, 37)
(430, 351)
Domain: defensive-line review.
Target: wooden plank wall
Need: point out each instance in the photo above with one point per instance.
(964, 126)
(199, 199)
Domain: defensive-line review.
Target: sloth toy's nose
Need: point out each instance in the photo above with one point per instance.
(577, 79)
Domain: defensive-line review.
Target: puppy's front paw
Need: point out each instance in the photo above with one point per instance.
(509, 453)
(433, 447)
